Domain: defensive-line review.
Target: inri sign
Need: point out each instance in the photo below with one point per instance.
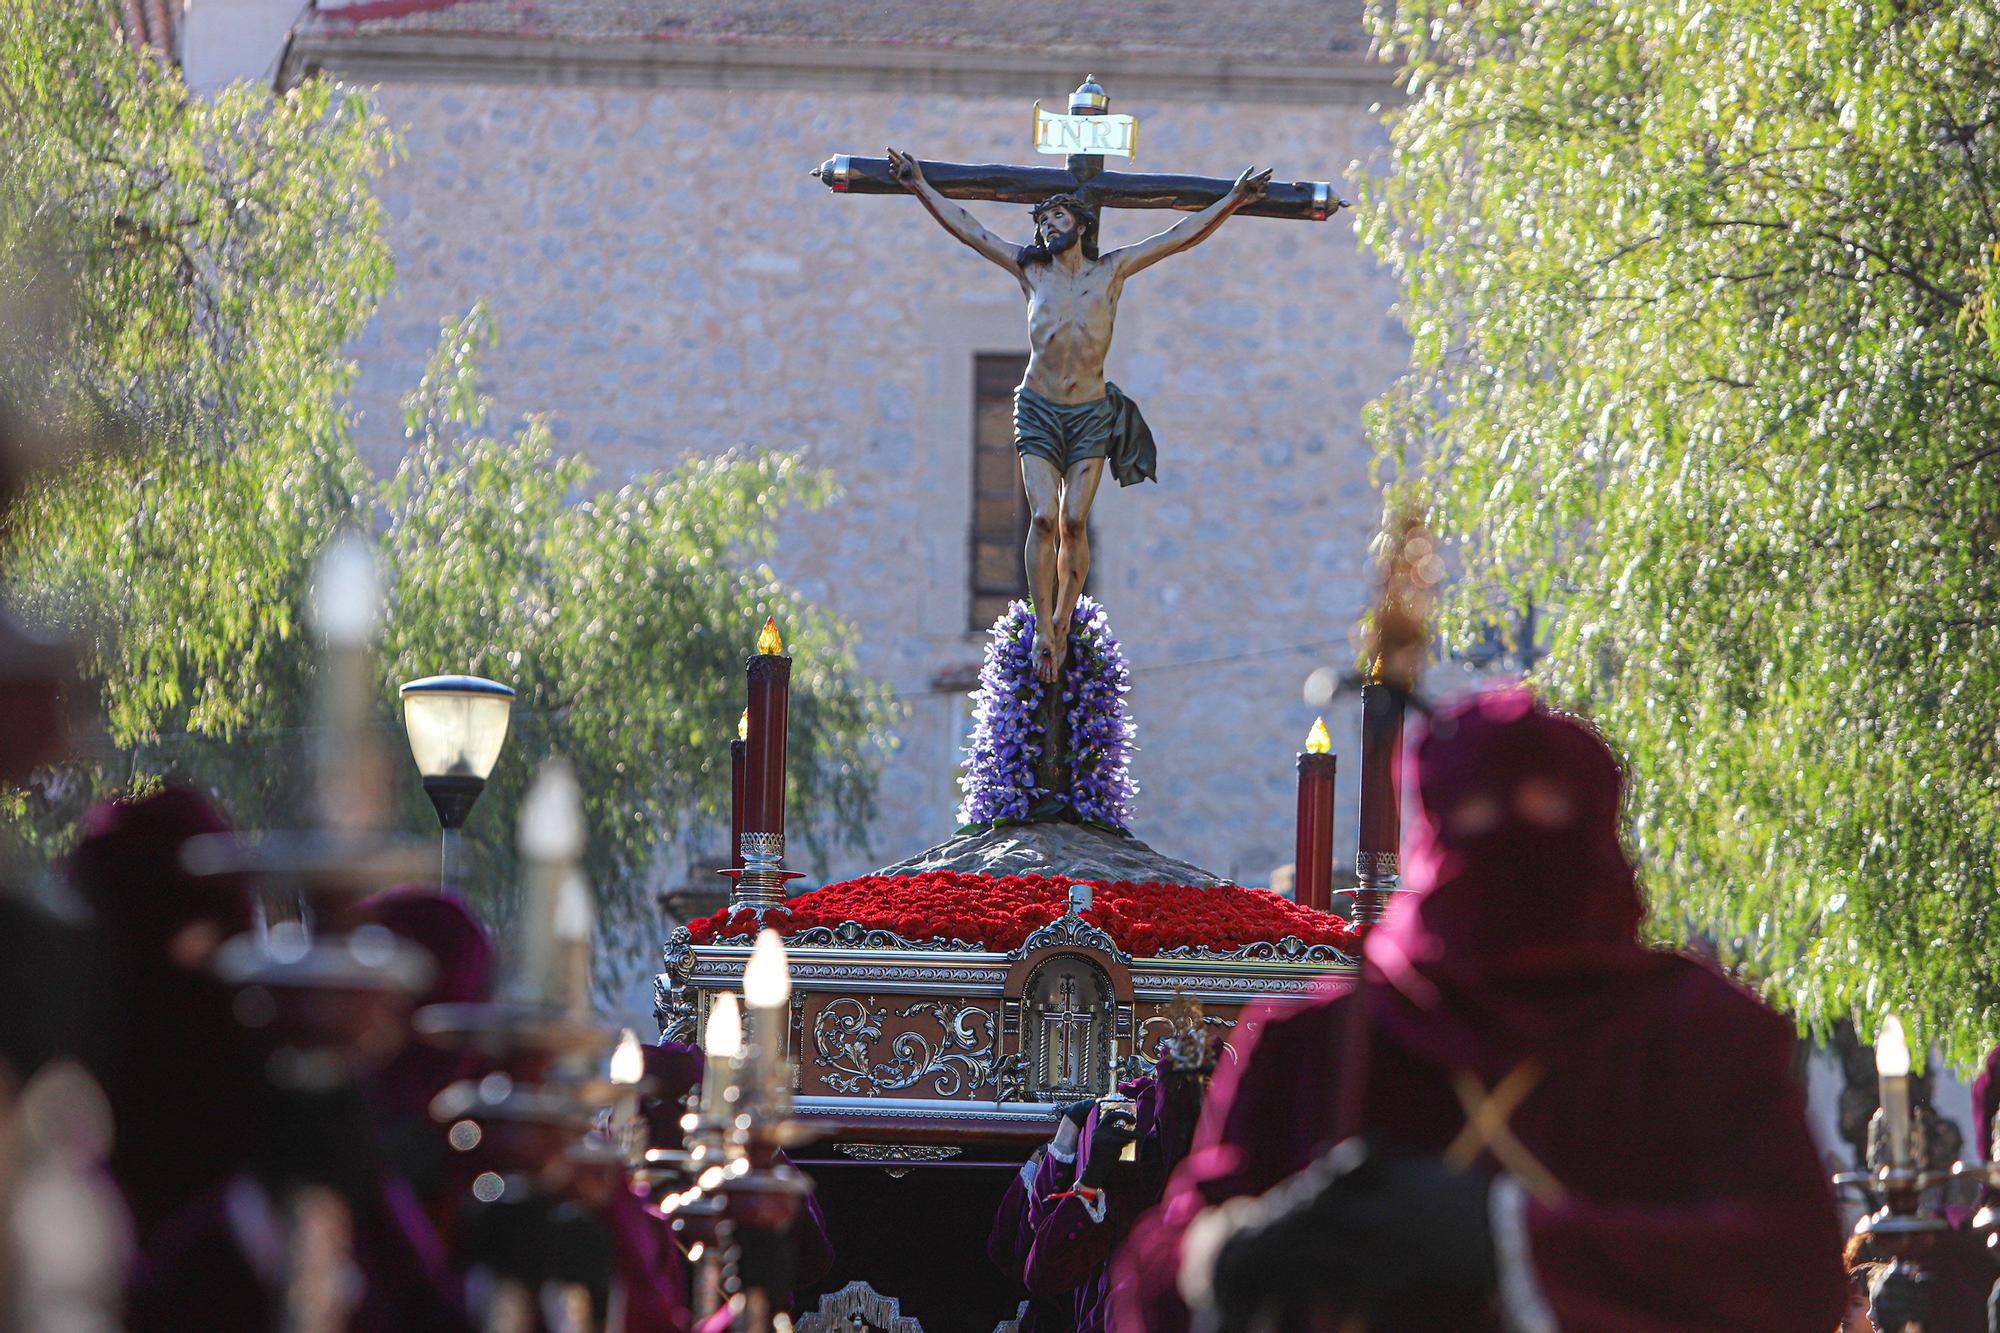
(1104, 136)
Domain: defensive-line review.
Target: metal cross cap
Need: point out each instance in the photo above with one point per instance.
(1085, 136)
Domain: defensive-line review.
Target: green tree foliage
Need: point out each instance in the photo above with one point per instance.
(621, 619)
(1705, 354)
(207, 264)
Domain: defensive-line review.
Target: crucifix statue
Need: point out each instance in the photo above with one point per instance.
(1069, 421)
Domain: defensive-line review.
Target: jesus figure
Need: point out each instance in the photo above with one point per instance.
(1068, 419)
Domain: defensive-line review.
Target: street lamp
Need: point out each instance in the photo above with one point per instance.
(457, 725)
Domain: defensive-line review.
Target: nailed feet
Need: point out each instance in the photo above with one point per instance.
(1048, 658)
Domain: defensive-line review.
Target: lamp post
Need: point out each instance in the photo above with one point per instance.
(456, 725)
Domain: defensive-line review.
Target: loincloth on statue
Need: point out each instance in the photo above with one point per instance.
(1065, 434)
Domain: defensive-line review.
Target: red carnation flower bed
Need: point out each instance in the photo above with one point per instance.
(1001, 911)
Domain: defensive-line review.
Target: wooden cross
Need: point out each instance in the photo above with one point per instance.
(1088, 125)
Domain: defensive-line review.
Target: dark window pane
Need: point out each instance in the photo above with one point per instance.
(999, 513)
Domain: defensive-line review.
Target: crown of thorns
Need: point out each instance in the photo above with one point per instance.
(1074, 203)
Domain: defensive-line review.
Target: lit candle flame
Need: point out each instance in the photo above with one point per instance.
(767, 980)
(1317, 741)
(743, 726)
(628, 1062)
(723, 1039)
(769, 644)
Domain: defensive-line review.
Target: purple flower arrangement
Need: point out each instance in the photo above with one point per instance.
(1095, 682)
(1008, 736)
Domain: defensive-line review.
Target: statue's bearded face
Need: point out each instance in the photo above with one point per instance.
(1059, 230)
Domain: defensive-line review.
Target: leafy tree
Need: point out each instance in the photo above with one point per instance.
(209, 263)
(1705, 344)
(621, 619)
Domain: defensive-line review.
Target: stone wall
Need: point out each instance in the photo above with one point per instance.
(669, 280)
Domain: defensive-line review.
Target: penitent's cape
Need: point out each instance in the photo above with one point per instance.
(1677, 1185)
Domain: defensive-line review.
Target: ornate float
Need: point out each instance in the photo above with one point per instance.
(944, 1009)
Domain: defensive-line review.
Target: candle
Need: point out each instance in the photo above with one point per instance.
(767, 989)
(722, 1046)
(575, 923)
(347, 595)
(350, 790)
(1892, 1069)
(736, 807)
(1381, 753)
(770, 676)
(628, 1067)
(1312, 857)
(551, 840)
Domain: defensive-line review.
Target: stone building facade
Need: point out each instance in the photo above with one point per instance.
(625, 183)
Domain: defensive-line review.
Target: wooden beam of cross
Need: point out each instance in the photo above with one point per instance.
(1090, 126)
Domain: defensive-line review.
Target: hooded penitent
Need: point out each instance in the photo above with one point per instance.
(1521, 904)
(1658, 1172)
(462, 950)
(179, 1076)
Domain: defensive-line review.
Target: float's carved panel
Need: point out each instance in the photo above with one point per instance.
(939, 1048)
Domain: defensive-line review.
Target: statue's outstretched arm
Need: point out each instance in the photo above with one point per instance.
(1192, 229)
(953, 218)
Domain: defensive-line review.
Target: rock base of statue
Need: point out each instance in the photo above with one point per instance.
(1073, 851)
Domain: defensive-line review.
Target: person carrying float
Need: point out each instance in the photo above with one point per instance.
(1520, 1117)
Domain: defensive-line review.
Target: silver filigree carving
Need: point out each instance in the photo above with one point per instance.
(1010, 1078)
(673, 1005)
(887, 1153)
(846, 1031)
(1264, 985)
(897, 1152)
(1290, 949)
(858, 1306)
(1375, 865)
(854, 935)
(1072, 931)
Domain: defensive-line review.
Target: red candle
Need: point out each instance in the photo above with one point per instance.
(1381, 817)
(736, 750)
(770, 673)
(1312, 860)
(1381, 765)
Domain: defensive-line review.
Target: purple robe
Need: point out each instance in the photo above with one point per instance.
(1688, 1193)
(1071, 1240)
(1008, 1245)
(219, 1264)
(175, 1066)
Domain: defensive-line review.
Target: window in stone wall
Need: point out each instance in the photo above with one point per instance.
(999, 511)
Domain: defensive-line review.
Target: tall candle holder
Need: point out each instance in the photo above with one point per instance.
(730, 1191)
(1903, 1224)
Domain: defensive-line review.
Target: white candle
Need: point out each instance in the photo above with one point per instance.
(347, 595)
(628, 1067)
(767, 989)
(550, 836)
(1892, 1069)
(722, 1045)
(575, 923)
